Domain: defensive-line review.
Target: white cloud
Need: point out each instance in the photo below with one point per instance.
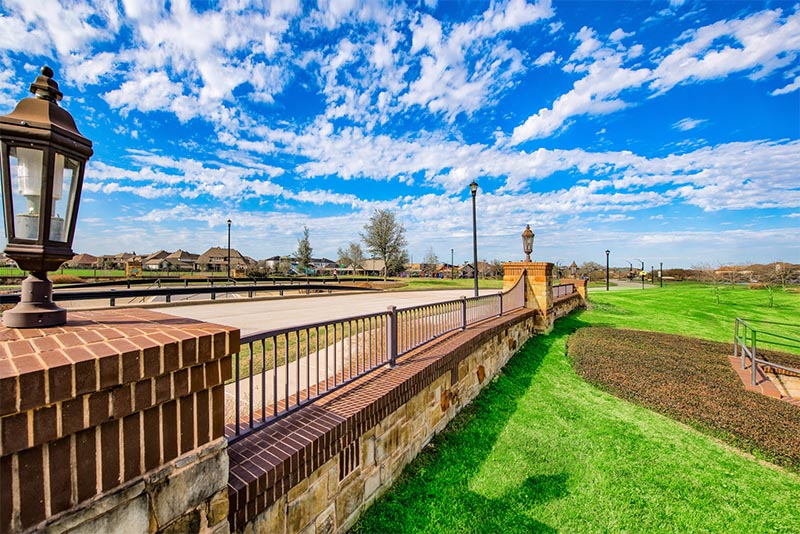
(618, 35)
(789, 88)
(765, 41)
(688, 123)
(545, 59)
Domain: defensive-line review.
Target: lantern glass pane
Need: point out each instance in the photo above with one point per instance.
(64, 183)
(25, 165)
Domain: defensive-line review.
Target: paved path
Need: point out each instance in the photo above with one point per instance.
(254, 316)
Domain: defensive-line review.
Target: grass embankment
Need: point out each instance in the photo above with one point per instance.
(541, 450)
(689, 380)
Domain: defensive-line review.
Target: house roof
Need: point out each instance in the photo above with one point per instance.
(182, 255)
(219, 254)
(84, 259)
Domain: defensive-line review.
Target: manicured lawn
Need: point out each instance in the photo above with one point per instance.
(541, 450)
(445, 283)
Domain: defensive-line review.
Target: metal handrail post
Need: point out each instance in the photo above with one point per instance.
(391, 336)
(500, 296)
(463, 313)
(753, 357)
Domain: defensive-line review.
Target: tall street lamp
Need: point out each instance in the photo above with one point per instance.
(527, 242)
(229, 249)
(452, 266)
(43, 161)
(642, 272)
(473, 188)
(607, 253)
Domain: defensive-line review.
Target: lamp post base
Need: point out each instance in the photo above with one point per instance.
(36, 308)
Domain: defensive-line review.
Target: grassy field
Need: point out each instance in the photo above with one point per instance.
(541, 450)
(444, 283)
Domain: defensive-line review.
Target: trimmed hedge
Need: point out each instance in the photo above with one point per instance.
(690, 380)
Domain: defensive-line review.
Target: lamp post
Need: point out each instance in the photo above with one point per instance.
(527, 242)
(43, 161)
(642, 272)
(452, 266)
(661, 274)
(229, 249)
(607, 253)
(473, 188)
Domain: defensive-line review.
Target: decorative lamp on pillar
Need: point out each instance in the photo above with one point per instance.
(527, 242)
(43, 160)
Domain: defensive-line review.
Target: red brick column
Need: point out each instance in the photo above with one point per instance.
(91, 407)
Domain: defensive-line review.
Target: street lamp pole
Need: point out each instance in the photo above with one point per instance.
(473, 187)
(229, 249)
(452, 267)
(607, 253)
(661, 274)
(641, 272)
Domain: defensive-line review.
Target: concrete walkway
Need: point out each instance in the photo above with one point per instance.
(255, 316)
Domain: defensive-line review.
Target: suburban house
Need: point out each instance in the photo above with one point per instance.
(215, 259)
(82, 261)
(468, 271)
(180, 260)
(117, 261)
(157, 261)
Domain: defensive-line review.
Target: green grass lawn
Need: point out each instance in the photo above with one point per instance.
(445, 283)
(541, 450)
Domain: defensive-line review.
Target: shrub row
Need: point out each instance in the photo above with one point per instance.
(690, 380)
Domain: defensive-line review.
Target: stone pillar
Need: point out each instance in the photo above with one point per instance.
(538, 287)
(114, 423)
(581, 286)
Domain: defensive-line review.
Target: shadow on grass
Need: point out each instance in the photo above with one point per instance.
(433, 493)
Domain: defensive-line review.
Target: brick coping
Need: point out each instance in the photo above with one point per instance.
(763, 385)
(267, 464)
(99, 350)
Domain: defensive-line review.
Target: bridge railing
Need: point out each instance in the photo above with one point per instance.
(747, 338)
(278, 371)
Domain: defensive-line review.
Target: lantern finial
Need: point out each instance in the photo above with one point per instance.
(45, 87)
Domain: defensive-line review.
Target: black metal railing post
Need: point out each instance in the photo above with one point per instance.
(500, 296)
(391, 335)
(463, 313)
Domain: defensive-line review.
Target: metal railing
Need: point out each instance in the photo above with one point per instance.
(129, 295)
(747, 339)
(563, 290)
(278, 371)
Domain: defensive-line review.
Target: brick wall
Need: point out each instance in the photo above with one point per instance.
(99, 416)
(318, 468)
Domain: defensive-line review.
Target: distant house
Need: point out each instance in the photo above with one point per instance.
(83, 261)
(157, 261)
(468, 271)
(215, 260)
(117, 261)
(180, 260)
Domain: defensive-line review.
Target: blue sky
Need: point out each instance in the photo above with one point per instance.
(663, 131)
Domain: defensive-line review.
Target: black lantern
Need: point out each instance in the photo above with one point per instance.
(527, 242)
(43, 160)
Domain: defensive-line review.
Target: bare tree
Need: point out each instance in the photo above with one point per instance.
(352, 255)
(430, 262)
(385, 237)
(304, 249)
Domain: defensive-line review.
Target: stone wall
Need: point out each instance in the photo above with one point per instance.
(317, 469)
(114, 423)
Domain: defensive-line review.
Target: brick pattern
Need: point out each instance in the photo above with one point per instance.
(95, 403)
(265, 465)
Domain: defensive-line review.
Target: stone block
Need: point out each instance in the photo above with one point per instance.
(348, 501)
(326, 521)
(303, 510)
(218, 508)
(129, 516)
(186, 523)
(270, 521)
(187, 488)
